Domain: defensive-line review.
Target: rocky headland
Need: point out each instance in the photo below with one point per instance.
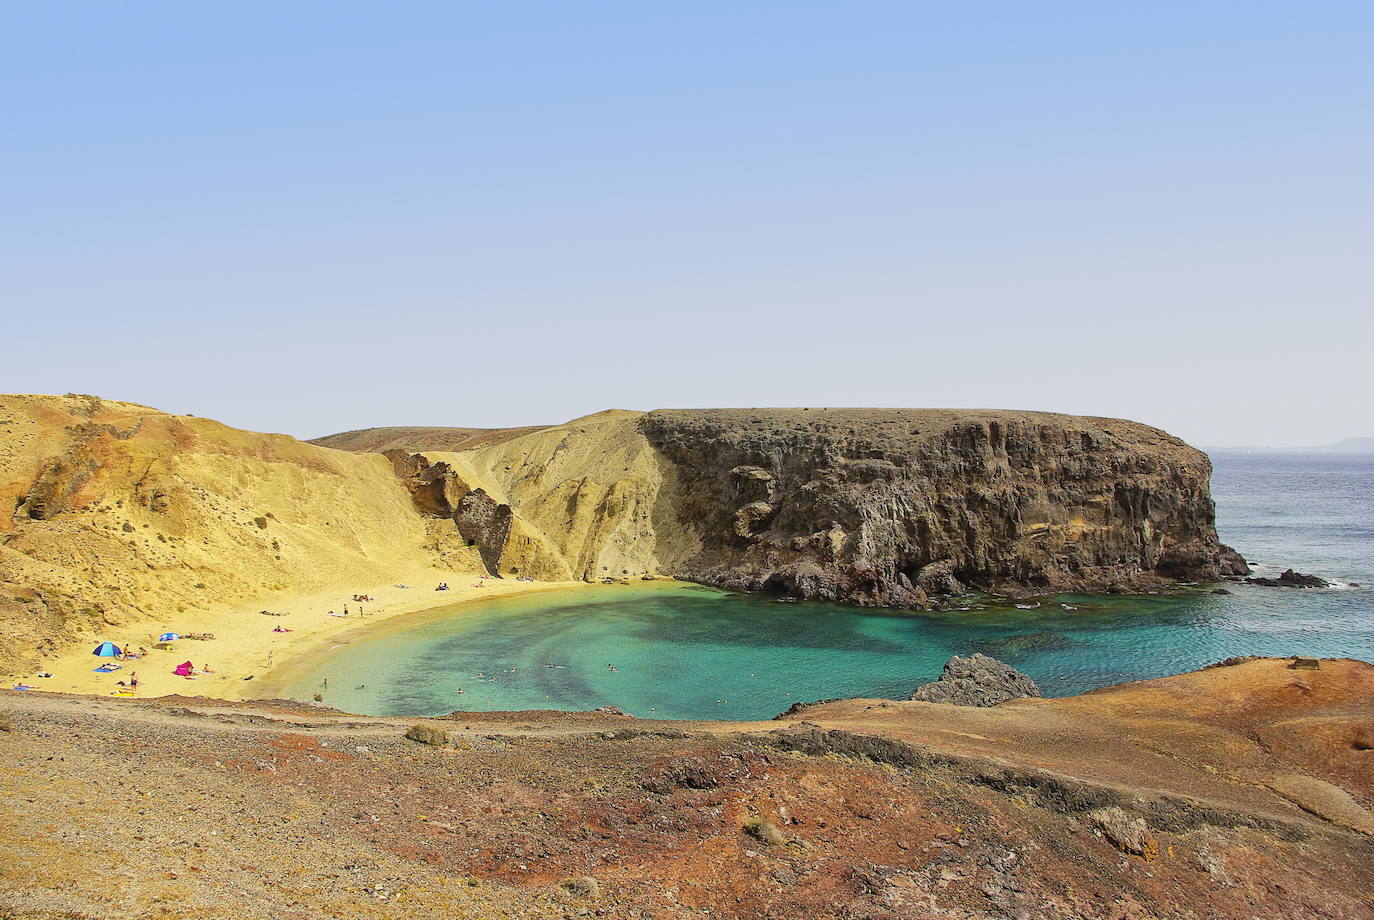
(875, 507)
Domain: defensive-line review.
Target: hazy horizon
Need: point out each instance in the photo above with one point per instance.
(318, 217)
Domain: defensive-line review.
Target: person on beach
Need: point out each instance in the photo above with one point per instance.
(205, 669)
(142, 652)
(133, 679)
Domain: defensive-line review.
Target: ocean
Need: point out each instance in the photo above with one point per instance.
(674, 650)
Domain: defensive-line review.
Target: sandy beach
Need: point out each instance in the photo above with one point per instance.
(245, 644)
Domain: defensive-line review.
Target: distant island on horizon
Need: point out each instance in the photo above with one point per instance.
(1345, 446)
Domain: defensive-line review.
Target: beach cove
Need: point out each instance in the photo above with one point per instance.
(244, 643)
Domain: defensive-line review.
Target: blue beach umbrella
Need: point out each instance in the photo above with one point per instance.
(106, 650)
(168, 637)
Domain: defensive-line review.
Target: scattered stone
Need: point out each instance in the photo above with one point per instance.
(1220, 591)
(784, 876)
(1234, 660)
(1305, 664)
(977, 680)
(612, 711)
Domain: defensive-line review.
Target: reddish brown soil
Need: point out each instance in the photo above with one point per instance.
(1251, 790)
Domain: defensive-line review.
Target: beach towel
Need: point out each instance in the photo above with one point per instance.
(107, 668)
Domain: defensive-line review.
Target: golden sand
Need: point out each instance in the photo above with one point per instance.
(245, 644)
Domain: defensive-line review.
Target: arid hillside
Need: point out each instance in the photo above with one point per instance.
(118, 512)
(380, 440)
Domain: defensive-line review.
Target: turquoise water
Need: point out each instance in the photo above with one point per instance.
(684, 651)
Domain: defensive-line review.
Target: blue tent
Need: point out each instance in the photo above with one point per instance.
(107, 650)
(167, 637)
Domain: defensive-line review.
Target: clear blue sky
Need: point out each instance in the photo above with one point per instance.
(314, 216)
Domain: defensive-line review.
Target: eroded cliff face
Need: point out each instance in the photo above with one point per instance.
(888, 507)
(863, 506)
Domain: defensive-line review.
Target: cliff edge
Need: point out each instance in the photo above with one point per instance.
(875, 507)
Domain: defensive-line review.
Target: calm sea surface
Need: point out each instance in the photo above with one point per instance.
(682, 651)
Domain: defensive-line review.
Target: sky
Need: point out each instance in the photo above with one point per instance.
(309, 217)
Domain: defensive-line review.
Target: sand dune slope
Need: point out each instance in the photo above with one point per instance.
(122, 513)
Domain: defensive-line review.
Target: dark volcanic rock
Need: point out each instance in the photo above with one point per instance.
(1291, 579)
(484, 523)
(1230, 562)
(977, 681)
(886, 507)
(434, 487)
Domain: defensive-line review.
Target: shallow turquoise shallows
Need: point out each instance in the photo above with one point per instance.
(673, 650)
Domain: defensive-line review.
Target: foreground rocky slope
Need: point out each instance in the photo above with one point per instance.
(1233, 792)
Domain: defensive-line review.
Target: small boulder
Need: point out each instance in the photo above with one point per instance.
(1130, 835)
(427, 734)
(583, 886)
(938, 578)
(977, 680)
(1305, 664)
(764, 830)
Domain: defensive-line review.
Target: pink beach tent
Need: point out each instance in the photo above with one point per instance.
(183, 669)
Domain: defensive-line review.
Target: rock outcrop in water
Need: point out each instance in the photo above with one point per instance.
(1291, 579)
(976, 681)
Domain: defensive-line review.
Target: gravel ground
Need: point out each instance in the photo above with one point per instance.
(205, 809)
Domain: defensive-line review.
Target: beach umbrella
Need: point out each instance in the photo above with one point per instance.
(106, 650)
(168, 637)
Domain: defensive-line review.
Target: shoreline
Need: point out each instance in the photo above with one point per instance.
(271, 685)
(247, 658)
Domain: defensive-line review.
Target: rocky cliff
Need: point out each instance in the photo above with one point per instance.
(119, 511)
(888, 507)
(863, 506)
